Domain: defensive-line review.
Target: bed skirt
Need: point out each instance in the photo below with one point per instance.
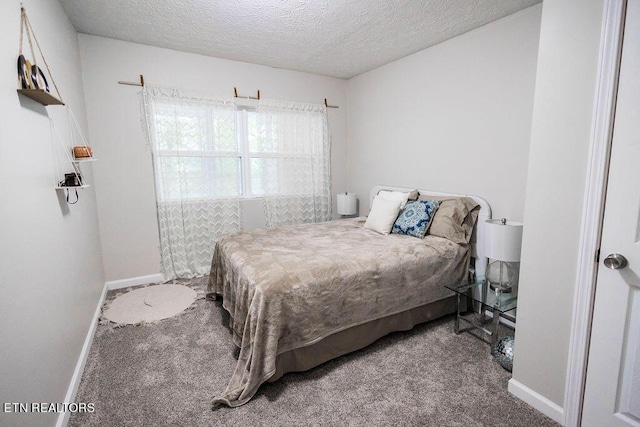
(355, 338)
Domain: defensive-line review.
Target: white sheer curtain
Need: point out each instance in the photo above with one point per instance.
(291, 161)
(208, 154)
(198, 175)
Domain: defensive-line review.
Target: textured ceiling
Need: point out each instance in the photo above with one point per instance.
(339, 38)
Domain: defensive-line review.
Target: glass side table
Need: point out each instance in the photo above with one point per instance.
(498, 303)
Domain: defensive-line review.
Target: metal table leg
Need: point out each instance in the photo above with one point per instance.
(456, 324)
(494, 326)
(483, 317)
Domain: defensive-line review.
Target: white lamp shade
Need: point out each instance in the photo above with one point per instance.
(503, 241)
(346, 204)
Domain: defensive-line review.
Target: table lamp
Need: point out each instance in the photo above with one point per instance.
(346, 204)
(503, 240)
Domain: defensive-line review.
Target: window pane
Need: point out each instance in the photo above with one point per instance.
(224, 131)
(280, 175)
(199, 177)
(264, 176)
(262, 132)
(180, 128)
(195, 128)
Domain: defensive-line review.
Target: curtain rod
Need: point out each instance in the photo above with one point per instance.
(235, 95)
(235, 92)
(329, 106)
(257, 97)
(134, 83)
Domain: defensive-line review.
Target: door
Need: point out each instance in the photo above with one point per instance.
(612, 390)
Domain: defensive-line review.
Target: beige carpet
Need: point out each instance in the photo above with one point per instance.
(167, 373)
(149, 304)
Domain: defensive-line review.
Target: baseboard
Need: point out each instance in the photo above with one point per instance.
(135, 281)
(536, 400)
(63, 417)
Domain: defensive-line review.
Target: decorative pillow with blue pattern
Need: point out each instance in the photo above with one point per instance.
(416, 218)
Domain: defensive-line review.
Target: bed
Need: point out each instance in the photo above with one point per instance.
(301, 295)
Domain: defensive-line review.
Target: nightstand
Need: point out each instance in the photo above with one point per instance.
(480, 293)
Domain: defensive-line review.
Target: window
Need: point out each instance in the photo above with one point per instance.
(207, 151)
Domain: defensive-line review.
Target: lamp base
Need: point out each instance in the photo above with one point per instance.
(500, 276)
(500, 288)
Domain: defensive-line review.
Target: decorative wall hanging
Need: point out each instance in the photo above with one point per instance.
(31, 79)
(33, 84)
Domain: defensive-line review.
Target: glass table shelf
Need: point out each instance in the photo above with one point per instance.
(488, 299)
(482, 293)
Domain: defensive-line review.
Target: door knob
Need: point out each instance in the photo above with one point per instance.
(615, 261)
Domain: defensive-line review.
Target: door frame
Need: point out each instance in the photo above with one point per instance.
(593, 207)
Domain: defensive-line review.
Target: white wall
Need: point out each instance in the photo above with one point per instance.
(562, 119)
(455, 117)
(51, 274)
(124, 177)
(472, 94)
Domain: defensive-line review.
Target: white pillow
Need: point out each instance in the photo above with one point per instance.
(395, 195)
(383, 214)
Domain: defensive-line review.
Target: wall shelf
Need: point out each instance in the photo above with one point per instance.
(65, 161)
(41, 96)
(70, 187)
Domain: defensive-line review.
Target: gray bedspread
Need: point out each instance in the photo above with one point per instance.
(289, 287)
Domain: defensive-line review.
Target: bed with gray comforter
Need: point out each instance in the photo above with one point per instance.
(289, 289)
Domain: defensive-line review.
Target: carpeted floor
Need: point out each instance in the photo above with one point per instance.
(167, 374)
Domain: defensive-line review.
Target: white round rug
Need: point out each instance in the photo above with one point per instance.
(150, 304)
